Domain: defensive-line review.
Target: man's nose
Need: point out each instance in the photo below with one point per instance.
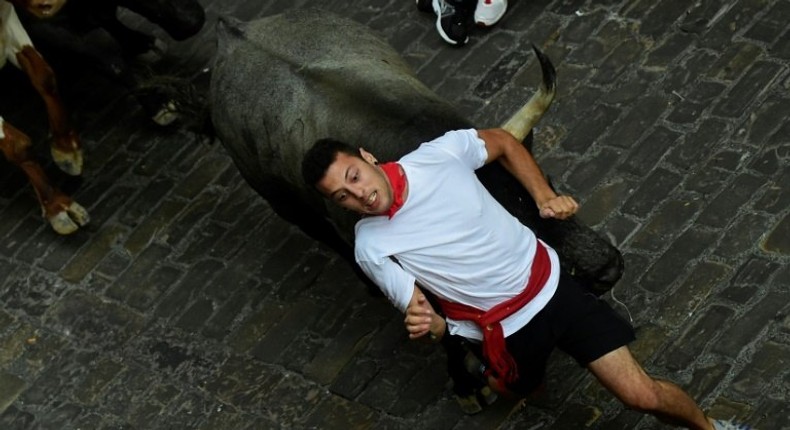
(358, 192)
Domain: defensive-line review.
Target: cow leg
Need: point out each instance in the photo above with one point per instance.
(64, 214)
(66, 150)
(181, 19)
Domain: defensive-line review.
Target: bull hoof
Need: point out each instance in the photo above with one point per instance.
(167, 114)
(70, 219)
(69, 162)
(155, 52)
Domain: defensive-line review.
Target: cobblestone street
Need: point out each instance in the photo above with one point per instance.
(186, 303)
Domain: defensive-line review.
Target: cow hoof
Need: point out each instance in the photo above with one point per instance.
(69, 220)
(69, 162)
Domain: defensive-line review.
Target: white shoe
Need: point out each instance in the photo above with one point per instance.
(489, 12)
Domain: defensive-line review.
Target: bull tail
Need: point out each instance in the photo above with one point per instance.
(520, 124)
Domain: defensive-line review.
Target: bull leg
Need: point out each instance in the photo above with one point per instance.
(181, 19)
(132, 42)
(64, 214)
(65, 145)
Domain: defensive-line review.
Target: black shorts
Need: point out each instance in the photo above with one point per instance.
(575, 321)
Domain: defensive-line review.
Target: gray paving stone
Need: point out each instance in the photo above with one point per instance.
(187, 289)
(337, 412)
(695, 338)
(151, 229)
(10, 387)
(696, 147)
(707, 378)
(152, 287)
(755, 271)
(733, 61)
(671, 264)
(667, 50)
(270, 348)
(743, 237)
(147, 199)
(329, 361)
(760, 76)
(134, 277)
(680, 307)
(665, 224)
(92, 253)
(777, 241)
(603, 202)
(748, 327)
(86, 316)
(588, 175)
(769, 361)
(15, 419)
(92, 387)
(657, 187)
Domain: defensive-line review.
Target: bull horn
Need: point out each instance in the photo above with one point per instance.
(520, 124)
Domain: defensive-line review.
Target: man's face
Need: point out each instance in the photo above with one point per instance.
(41, 8)
(357, 184)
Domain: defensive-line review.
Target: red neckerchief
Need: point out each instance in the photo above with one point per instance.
(398, 181)
(502, 366)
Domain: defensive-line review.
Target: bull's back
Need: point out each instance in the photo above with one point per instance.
(284, 81)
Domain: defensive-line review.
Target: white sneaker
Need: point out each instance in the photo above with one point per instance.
(729, 425)
(489, 12)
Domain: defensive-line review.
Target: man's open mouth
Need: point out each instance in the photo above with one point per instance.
(371, 199)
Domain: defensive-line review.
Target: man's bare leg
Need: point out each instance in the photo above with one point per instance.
(619, 372)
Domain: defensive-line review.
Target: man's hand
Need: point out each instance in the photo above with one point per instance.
(560, 207)
(421, 318)
(501, 145)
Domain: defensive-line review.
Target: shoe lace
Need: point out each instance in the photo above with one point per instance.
(446, 9)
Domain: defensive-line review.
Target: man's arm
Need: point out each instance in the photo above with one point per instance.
(421, 319)
(502, 146)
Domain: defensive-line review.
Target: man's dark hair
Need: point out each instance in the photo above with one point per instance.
(318, 158)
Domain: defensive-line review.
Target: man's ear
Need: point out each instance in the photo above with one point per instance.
(367, 156)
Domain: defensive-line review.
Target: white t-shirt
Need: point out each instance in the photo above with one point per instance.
(452, 238)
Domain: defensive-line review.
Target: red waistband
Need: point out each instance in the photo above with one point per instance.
(501, 363)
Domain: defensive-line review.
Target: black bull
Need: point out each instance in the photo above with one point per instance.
(282, 82)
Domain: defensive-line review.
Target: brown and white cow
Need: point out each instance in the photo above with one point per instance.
(64, 215)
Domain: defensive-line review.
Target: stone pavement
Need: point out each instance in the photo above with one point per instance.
(187, 304)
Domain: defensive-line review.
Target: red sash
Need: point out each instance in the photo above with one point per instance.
(501, 364)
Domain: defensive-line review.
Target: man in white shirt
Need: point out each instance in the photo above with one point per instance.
(428, 223)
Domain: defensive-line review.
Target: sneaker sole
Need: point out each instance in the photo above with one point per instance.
(445, 36)
(488, 23)
(482, 22)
